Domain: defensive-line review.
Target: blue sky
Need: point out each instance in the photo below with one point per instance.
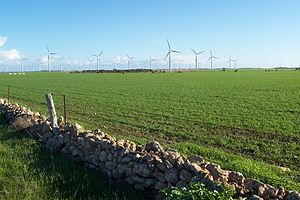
(260, 33)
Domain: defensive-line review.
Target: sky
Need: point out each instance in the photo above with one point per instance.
(258, 33)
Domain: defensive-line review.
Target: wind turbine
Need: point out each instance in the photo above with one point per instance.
(48, 58)
(39, 65)
(61, 60)
(234, 61)
(170, 51)
(211, 59)
(128, 60)
(230, 60)
(6, 65)
(150, 61)
(196, 57)
(90, 61)
(22, 59)
(98, 58)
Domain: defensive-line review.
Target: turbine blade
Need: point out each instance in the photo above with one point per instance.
(215, 57)
(94, 55)
(52, 53)
(210, 53)
(47, 48)
(167, 55)
(169, 44)
(193, 51)
(209, 59)
(176, 51)
(100, 53)
(200, 52)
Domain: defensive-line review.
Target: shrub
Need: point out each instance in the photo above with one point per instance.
(197, 191)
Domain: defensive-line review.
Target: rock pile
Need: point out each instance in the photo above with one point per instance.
(146, 168)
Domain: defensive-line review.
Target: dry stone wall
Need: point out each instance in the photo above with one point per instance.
(146, 168)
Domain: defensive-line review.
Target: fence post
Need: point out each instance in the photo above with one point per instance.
(8, 95)
(65, 109)
(52, 112)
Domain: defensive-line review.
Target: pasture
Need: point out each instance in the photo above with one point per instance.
(247, 121)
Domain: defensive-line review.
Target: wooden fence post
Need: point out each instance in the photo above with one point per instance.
(8, 95)
(65, 109)
(52, 112)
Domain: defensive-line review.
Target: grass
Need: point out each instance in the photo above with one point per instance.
(28, 171)
(247, 121)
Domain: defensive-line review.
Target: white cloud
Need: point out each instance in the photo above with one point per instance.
(183, 59)
(12, 54)
(2, 40)
(44, 59)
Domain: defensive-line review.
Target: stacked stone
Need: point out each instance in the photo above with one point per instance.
(146, 168)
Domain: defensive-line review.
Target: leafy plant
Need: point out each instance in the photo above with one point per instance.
(197, 191)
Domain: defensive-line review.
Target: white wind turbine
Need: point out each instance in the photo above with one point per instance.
(22, 59)
(230, 60)
(48, 58)
(211, 59)
(150, 62)
(98, 58)
(234, 62)
(90, 62)
(61, 60)
(196, 57)
(128, 60)
(39, 65)
(6, 65)
(170, 51)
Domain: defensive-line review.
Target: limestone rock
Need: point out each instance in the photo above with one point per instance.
(110, 165)
(254, 186)
(149, 182)
(21, 123)
(185, 175)
(142, 170)
(291, 195)
(254, 197)
(153, 146)
(196, 159)
(159, 176)
(236, 177)
(159, 186)
(103, 156)
(60, 139)
(182, 184)
(171, 175)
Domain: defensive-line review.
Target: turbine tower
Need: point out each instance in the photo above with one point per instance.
(150, 62)
(22, 59)
(211, 59)
(6, 66)
(90, 61)
(170, 51)
(128, 60)
(48, 58)
(230, 60)
(61, 60)
(98, 58)
(234, 62)
(196, 57)
(39, 65)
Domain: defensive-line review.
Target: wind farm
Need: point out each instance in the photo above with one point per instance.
(150, 100)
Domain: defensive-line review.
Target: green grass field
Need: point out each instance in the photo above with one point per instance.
(247, 121)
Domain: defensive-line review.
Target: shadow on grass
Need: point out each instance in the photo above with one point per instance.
(59, 178)
(69, 180)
